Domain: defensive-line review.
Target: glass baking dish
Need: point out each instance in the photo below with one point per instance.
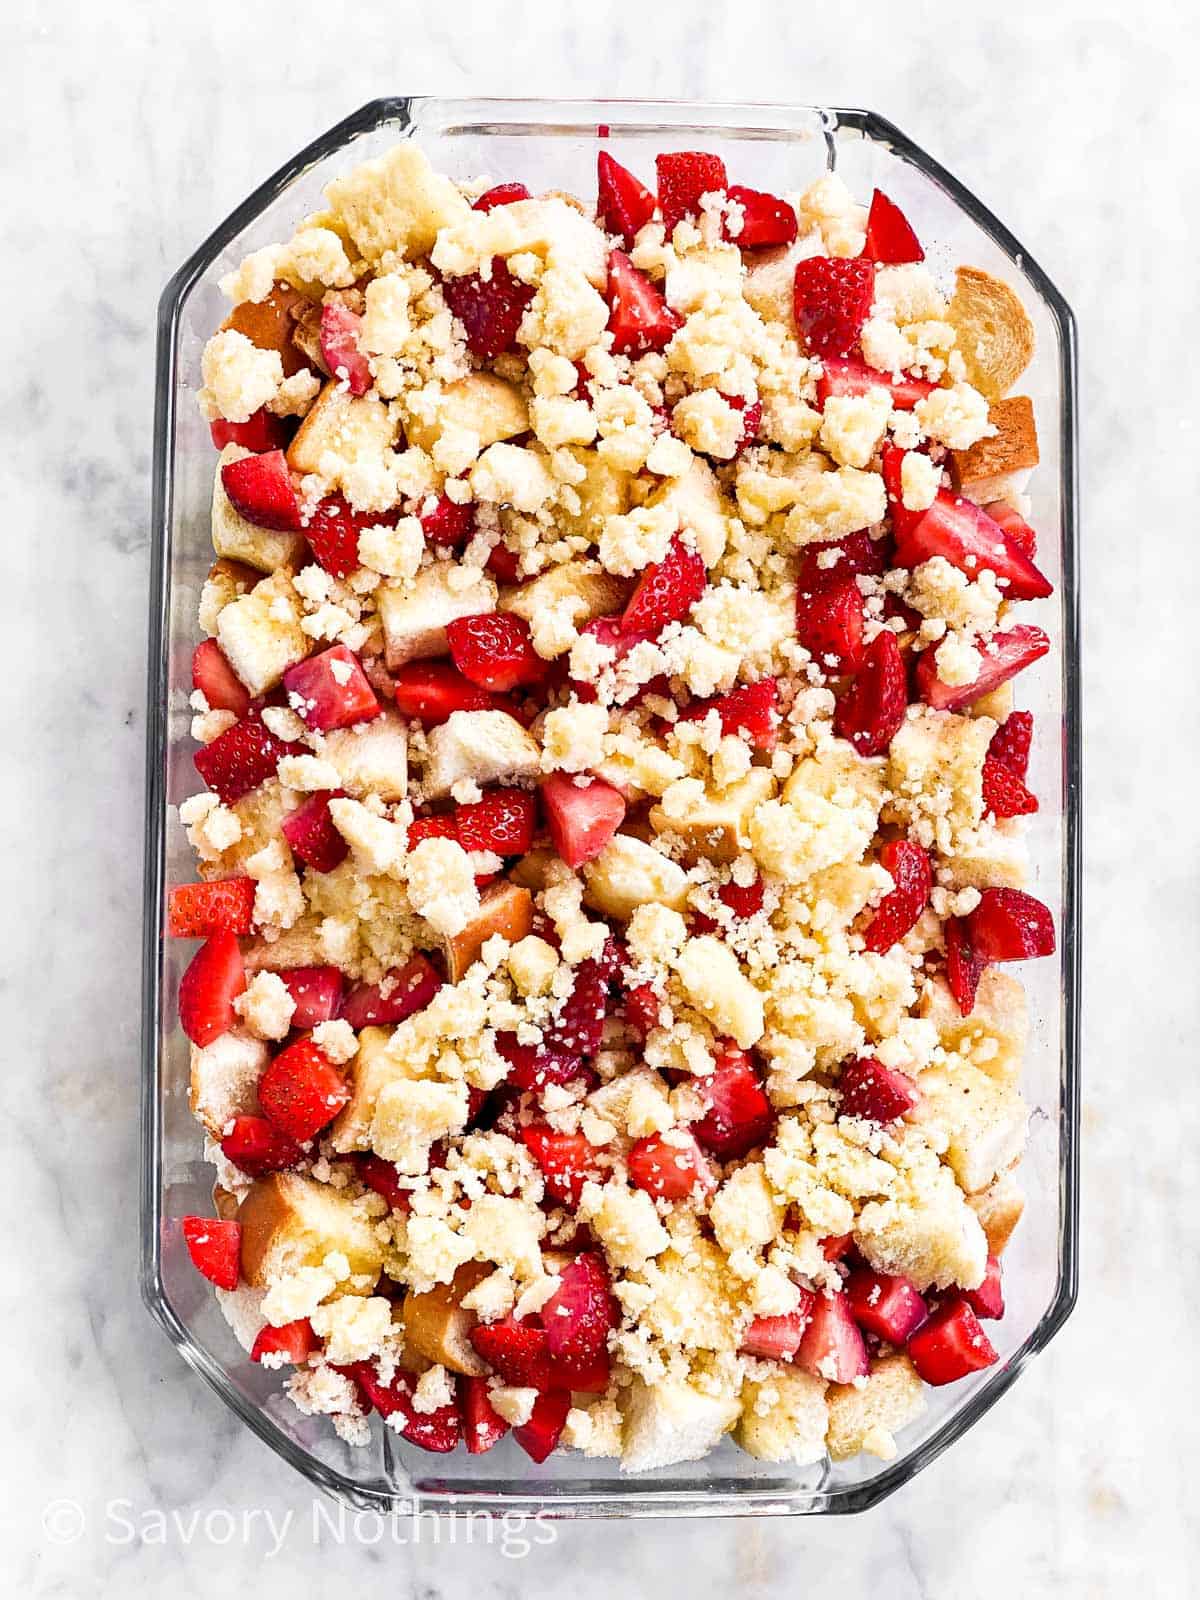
(550, 144)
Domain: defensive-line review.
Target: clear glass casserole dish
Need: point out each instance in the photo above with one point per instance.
(553, 145)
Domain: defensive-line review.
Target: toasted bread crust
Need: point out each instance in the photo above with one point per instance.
(1012, 448)
(999, 1208)
(285, 1210)
(506, 909)
(270, 324)
(995, 335)
(436, 1326)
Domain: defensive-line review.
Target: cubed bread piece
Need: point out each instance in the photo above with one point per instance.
(1012, 448)
(486, 746)
(999, 1208)
(604, 491)
(350, 428)
(995, 335)
(671, 1422)
(627, 873)
(992, 1037)
(290, 1222)
(505, 909)
(371, 757)
(866, 1418)
(935, 768)
(297, 946)
(437, 1328)
(533, 870)
(714, 982)
(225, 1204)
(592, 592)
(225, 1076)
(414, 614)
(987, 858)
(260, 634)
(696, 497)
(270, 323)
(235, 539)
(482, 403)
(715, 829)
(934, 1238)
(784, 1417)
(770, 281)
(986, 1121)
(369, 1072)
(411, 1114)
(396, 203)
(226, 581)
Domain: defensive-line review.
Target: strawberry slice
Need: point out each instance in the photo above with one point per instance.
(578, 1318)
(577, 1028)
(643, 1010)
(832, 1346)
(197, 910)
(240, 759)
(382, 1177)
(684, 176)
(610, 634)
(749, 711)
(1010, 925)
(257, 1148)
(874, 1092)
(403, 992)
(449, 524)
(316, 993)
(670, 1168)
(837, 1246)
(825, 566)
(903, 520)
(333, 531)
(1012, 741)
(217, 681)
(751, 417)
(1004, 795)
(310, 833)
(1004, 655)
(738, 1115)
(1014, 525)
(262, 432)
(260, 490)
(302, 1091)
(987, 1301)
(330, 690)
(215, 1249)
(215, 977)
(890, 238)
(831, 300)
(963, 967)
(666, 590)
(439, 1431)
(431, 692)
(582, 814)
(340, 328)
(899, 909)
(541, 1433)
(490, 310)
(849, 376)
(870, 712)
(951, 1345)
(778, 1338)
(639, 318)
(829, 624)
(766, 219)
(743, 899)
(566, 1160)
(963, 534)
(504, 564)
(888, 1306)
(439, 827)
(482, 1424)
(502, 822)
(492, 650)
(533, 1067)
(516, 1350)
(501, 194)
(623, 202)
(294, 1341)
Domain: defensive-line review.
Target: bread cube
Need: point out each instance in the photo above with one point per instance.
(784, 1417)
(487, 746)
(505, 909)
(934, 1237)
(270, 323)
(995, 335)
(410, 1114)
(371, 757)
(604, 491)
(986, 1121)
(987, 858)
(935, 767)
(289, 1222)
(297, 946)
(671, 1422)
(627, 873)
(697, 498)
(261, 635)
(1012, 448)
(714, 982)
(866, 1418)
(350, 428)
(999, 1208)
(716, 828)
(482, 403)
(371, 1070)
(414, 614)
(396, 202)
(437, 1328)
(226, 581)
(235, 539)
(592, 592)
(224, 1079)
(993, 1036)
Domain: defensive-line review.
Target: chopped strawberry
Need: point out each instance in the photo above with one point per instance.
(332, 533)
(403, 992)
(738, 1114)
(1004, 794)
(1011, 742)
(670, 1167)
(963, 534)
(829, 624)
(330, 690)
(963, 967)
(751, 417)
(639, 318)
(577, 1028)
(566, 1160)
(501, 194)
(316, 993)
(262, 432)
(684, 176)
(890, 238)
(442, 826)
(874, 1092)
(832, 300)
(215, 977)
(850, 376)
(294, 1341)
(778, 1338)
(382, 1177)
(517, 1350)
(623, 202)
(502, 822)
(449, 523)
(439, 1431)
(743, 899)
(889, 1307)
(987, 1301)
(490, 310)
(897, 912)
(951, 1344)
(340, 329)
(541, 1433)
(749, 711)
(1004, 655)
(578, 1318)
(240, 759)
(482, 1424)
(310, 832)
(260, 490)
(217, 681)
(302, 1091)
(215, 1249)
(196, 910)
(1010, 925)
(257, 1148)
(643, 1010)
(582, 814)
(666, 590)
(1014, 525)
(766, 219)
(432, 691)
(493, 651)
(871, 710)
(832, 1346)
(534, 1066)
(612, 636)
(825, 566)
(504, 564)
(837, 1246)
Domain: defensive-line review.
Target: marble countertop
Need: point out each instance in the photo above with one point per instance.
(128, 136)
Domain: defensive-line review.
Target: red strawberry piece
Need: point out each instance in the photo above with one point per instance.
(382, 1177)
(1004, 655)
(874, 1092)
(890, 238)
(963, 534)
(1014, 525)
(738, 1114)
(197, 910)
(449, 523)
(294, 1341)
(316, 993)
(310, 832)
(302, 1091)
(578, 1318)
(751, 417)
(262, 432)
(439, 1431)
(889, 1307)
(493, 651)
(743, 899)
(903, 520)
(1011, 742)
(577, 1028)
(256, 1147)
(566, 1160)
(1010, 925)
(899, 909)
(439, 827)
(870, 712)
(832, 299)
(582, 815)
(1004, 795)
(215, 1249)
(516, 1350)
(490, 309)
(749, 711)
(832, 1346)
(502, 194)
(778, 1338)
(332, 533)
(623, 201)
(541, 1433)
(639, 318)
(331, 690)
(502, 822)
(837, 1245)
(534, 1066)
(643, 1010)
(963, 967)
(260, 489)
(403, 992)
(684, 176)
(951, 1345)
(240, 759)
(666, 590)
(217, 681)
(826, 566)
(431, 692)
(339, 346)
(987, 1301)
(766, 219)
(215, 977)
(504, 564)
(829, 624)
(482, 1424)
(670, 1168)
(609, 632)
(849, 376)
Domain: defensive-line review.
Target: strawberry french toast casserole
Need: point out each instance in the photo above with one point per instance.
(610, 855)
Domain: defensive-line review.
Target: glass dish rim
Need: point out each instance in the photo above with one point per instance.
(634, 1500)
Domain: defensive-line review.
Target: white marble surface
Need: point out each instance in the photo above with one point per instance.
(129, 131)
